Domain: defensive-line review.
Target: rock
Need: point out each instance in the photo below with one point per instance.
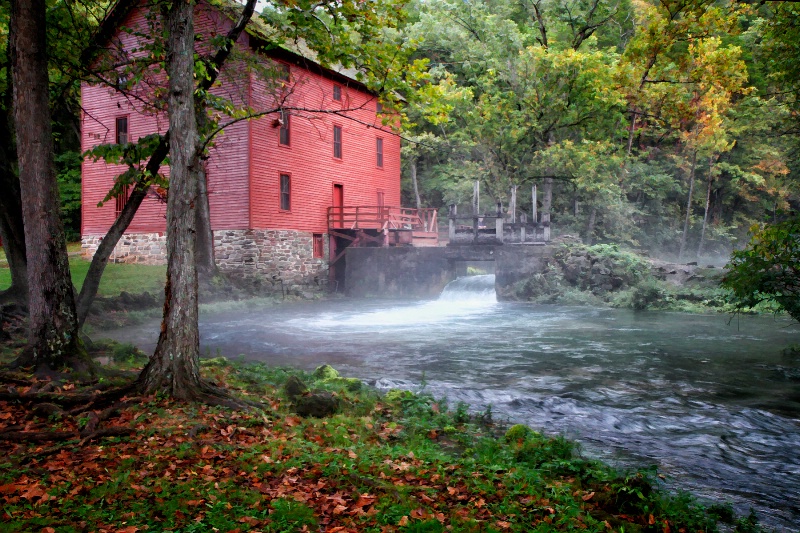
(325, 372)
(317, 404)
(294, 388)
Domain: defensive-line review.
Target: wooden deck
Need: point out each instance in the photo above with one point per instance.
(396, 226)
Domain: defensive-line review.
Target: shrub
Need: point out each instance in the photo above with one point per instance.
(647, 294)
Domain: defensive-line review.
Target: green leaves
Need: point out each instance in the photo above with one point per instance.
(768, 269)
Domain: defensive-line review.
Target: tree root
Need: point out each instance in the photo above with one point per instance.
(65, 399)
(36, 436)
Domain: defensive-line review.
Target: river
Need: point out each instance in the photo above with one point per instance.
(713, 403)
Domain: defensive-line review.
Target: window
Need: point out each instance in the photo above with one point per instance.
(122, 130)
(286, 192)
(337, 142)
(381, 199)
(337, 93)
(284, 121)
(319, 245)
(121, 199)
(379, 151)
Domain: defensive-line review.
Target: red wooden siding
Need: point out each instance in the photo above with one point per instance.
(310, 158)
(247, 160)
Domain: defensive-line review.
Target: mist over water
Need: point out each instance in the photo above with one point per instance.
(714, 405)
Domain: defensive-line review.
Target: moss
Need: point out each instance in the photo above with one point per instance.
(350, 384)
(396, 395)
(518, 432)
(215, 362)
(325, 372)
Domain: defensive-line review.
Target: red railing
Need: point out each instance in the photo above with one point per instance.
(382, 217)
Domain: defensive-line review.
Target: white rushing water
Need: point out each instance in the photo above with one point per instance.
(714, 405)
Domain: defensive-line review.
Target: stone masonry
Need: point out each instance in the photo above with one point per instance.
(142, 248)
(276, 257)
(273, 256)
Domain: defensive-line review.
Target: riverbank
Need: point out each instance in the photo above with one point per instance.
(604, 275)
(397, 462)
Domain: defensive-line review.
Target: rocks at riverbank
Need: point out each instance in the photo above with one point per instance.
(605, 275)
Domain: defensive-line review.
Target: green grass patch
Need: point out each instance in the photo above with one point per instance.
(117, 277)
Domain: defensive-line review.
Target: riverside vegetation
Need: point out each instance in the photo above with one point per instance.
(605, 275)
(402, 462)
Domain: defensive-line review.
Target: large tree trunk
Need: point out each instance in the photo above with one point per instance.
(12, 232)
(12, 229)
(688, 207)
(53, 340)
(174, 367)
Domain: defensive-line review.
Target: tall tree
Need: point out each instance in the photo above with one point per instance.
(174, 367)
(53, 339)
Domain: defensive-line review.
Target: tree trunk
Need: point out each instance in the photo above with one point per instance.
(631, 131)
(547, 188)
(708, 206)
(688, 207)
(53, 340)
(98, 265)
(590, 226)
(204, 245)
(174, 367)
(12, 232)
(414, 181)
(12, 229)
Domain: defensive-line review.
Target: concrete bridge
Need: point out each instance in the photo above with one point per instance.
(407, 272)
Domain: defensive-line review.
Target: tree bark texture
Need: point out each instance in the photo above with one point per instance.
(12, 229)
(53, 326)
(688, 206)
(174, 367)
(204, 245)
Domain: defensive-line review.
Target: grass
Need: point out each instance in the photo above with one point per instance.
(118, 277)
(402, 462)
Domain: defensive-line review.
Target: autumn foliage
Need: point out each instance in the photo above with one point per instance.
(396, 463)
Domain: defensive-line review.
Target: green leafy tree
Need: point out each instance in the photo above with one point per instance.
(768, 269)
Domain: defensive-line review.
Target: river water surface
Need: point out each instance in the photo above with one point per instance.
(715, 405)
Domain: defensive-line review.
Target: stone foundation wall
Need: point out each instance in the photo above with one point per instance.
(142, 248)
(281, 258)
(273, 256)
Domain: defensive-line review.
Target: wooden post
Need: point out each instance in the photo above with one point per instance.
(498, 225)
(534, 213)
(513, 206)
(451, 232)
(546, 224)
(476, 198)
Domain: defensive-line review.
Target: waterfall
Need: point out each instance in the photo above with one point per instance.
(470, 289)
